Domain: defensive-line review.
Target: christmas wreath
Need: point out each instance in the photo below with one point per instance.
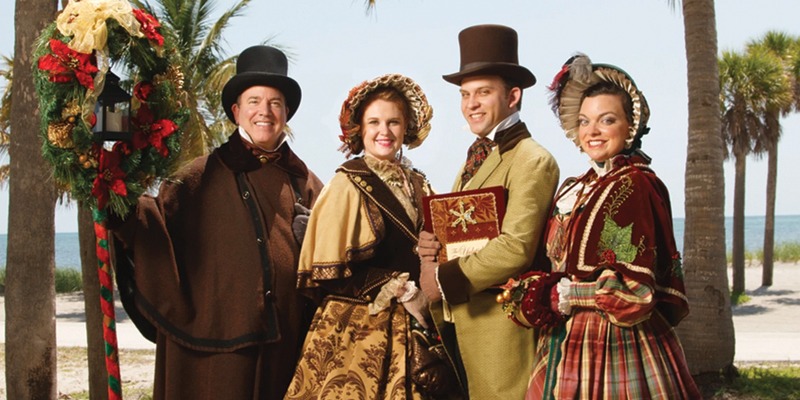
(74, 55)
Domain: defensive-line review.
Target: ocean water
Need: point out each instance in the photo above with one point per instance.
(787, 229)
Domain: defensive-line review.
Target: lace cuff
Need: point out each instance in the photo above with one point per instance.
(388, 292)
(410, 290)
(563, 296)
(439, 285)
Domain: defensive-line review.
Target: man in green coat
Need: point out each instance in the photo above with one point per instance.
(494, 356)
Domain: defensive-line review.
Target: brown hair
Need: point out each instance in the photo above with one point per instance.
(510, 84)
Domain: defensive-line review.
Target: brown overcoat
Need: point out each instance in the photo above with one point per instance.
(208, 271)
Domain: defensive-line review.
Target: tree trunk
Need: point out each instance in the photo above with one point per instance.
(738, 224)
(707, 333)
(30, 266)
(769, 217)
(95, 346)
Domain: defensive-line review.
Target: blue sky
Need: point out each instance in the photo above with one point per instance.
(335, 45)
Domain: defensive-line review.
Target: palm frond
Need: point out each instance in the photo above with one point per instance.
(7, 73)
(5, 169)
(752, 87)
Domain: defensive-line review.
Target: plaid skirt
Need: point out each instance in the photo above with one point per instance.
(349, 354)
(591, 358)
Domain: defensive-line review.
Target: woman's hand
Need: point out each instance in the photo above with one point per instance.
(414, 302)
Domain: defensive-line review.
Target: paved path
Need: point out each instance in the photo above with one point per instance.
(71, 323)
(767, 327)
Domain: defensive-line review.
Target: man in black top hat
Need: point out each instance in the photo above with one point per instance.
(207, 269)
(494, 356)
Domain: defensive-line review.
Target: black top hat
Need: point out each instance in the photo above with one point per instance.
(257, 66)
(490, 50)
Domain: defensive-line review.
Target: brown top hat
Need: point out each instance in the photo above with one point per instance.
(261, 66)
(490, 50)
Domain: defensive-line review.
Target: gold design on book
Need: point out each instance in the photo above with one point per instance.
(463, 217)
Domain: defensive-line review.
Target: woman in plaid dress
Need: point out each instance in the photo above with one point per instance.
(612, 282)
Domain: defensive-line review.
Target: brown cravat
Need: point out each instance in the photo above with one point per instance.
(262, 155)
(476, 155)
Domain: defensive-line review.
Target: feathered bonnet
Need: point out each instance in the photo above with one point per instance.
(420, 111)
(579, 74)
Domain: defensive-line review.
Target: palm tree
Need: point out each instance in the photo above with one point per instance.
(787, 51)
(30, 282)
(753, 87)
(707, 333)
(205, 69)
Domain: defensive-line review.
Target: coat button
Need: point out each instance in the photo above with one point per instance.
(259, 240)
(246, 195)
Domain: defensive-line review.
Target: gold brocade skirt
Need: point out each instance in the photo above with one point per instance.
(349, 354)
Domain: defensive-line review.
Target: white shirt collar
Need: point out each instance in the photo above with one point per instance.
(504, 124)
(248, 139)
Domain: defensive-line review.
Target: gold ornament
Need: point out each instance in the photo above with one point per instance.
(172, 74)
(59, 134)
(71, 109)
(88, 160)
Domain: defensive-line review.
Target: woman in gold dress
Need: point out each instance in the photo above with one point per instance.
(358, 253)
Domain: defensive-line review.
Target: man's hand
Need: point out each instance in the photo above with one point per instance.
(428, 251)
(427, 281)
(428, 247)
(300, 222)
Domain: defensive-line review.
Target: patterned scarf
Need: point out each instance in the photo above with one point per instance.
(476, 155)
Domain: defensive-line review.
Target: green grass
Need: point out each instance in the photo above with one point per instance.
(67, 280)
(739, 299)
(788, 252)
(778, 381)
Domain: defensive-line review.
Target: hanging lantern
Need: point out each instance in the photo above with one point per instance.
(113, 111)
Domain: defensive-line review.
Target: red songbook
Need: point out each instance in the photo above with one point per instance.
(464, 222)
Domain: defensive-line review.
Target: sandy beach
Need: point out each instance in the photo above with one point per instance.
(767, 330)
